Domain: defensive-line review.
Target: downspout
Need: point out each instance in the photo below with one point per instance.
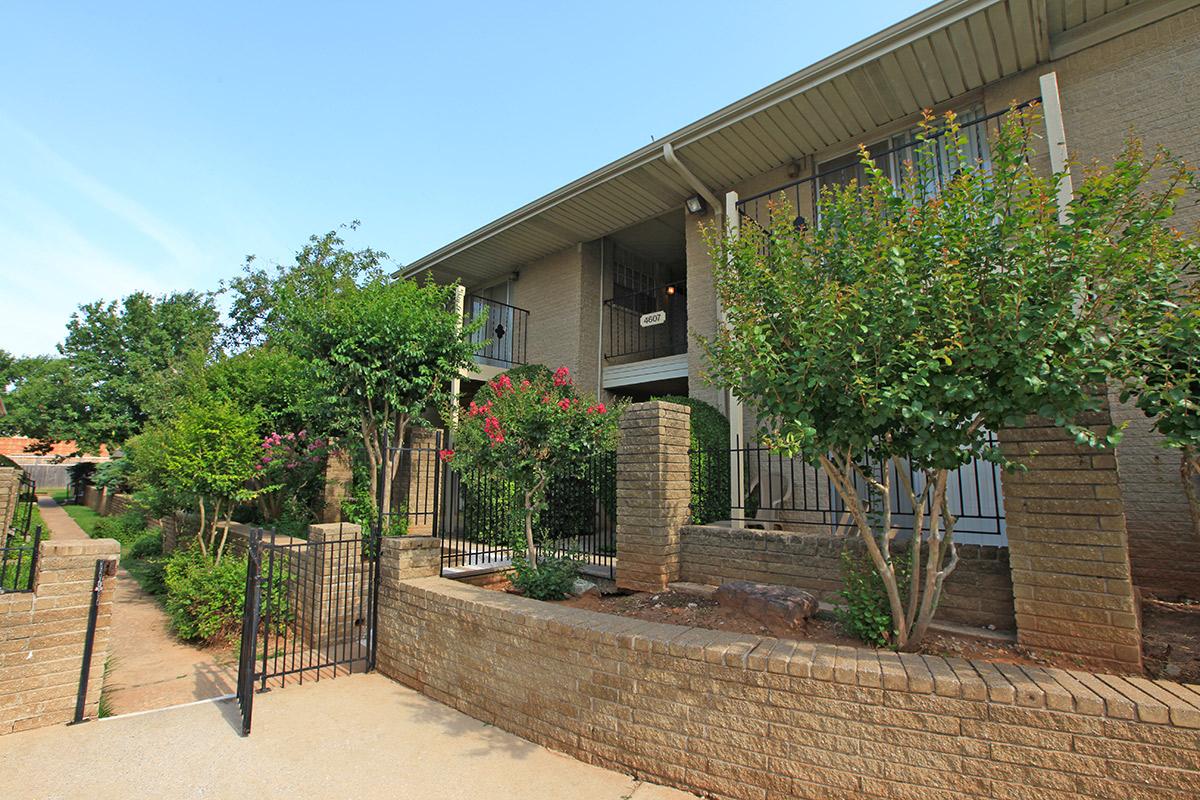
(600, 336)
(691, 180)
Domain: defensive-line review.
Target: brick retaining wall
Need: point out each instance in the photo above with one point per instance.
(42, 635)
(738, 716)
(979, 592)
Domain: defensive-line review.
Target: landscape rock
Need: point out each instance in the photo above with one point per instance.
(782, 609)
(582, 587)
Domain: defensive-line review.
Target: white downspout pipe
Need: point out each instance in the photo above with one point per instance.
(600, 336)
(695, 183)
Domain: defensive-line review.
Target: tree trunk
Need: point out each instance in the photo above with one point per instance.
(529, 545)
(200, 530)
(224, 534)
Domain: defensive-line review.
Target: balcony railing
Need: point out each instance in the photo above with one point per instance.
(503, 338)
(647, 324)
(803, 195)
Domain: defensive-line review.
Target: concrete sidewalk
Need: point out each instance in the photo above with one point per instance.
(360, 736)
(58, 521)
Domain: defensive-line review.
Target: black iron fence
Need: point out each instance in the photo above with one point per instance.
(790, 493)
(504, 337)
(479, 516)
(19, 544)
(891, 155)
(647, 324)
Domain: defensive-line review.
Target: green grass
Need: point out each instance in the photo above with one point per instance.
(35, 520)
(60, 496)
(84, 517)
(140, 569)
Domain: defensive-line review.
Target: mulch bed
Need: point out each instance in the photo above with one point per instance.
(683, 608)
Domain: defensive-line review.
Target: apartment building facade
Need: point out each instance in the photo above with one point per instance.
(610, 275)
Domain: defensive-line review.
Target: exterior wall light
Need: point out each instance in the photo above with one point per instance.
(695, 204)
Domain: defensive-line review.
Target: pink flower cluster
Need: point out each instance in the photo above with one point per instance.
(501, 384)
(491, 426)
(562, 377)
(476, 410)
(599, 408)
(446, 454)
(291, 450)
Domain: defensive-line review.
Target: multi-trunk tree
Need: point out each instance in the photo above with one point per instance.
(913, 319)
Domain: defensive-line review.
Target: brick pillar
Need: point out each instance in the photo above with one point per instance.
(339, 482)
(10, 482)
(1068, 546)
(415, 484)
(330, 590)
(653, 494)
(42, 635)
(401, 558)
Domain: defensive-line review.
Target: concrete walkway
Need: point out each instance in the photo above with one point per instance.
(58, 521)
(360, 736)
(149, 667)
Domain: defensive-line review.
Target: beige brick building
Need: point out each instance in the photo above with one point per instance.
(610, 276)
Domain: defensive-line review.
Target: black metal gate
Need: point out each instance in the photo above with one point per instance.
(310, 610)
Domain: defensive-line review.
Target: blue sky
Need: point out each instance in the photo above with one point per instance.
(154, 145)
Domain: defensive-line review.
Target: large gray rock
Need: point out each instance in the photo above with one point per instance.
(782, 609)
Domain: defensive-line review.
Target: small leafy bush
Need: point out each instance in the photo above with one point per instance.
(126, 528)
(147, 545)
(552, 580)
(866, 613)
(204, 599)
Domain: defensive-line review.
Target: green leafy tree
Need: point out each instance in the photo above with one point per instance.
(263, 298)
(115, 352)
(209, 452)
(46, 401)
(908, 323)
(1165, 380)
(386, 353)
(528, 431)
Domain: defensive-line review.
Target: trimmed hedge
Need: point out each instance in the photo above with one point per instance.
(709, 459)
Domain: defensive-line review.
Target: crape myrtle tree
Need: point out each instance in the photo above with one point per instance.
(525, 432)
(387, 351)
(1165, 381)
(910, 322)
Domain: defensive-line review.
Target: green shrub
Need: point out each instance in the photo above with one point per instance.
(154, 576)
(552, 580)
(709, 443)
(125, 528)
(866, 613)
(147, 545)
(205, 600)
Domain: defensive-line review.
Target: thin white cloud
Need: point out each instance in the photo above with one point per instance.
(49, 263)
(176, 243)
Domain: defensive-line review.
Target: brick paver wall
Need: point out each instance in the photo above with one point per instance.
(980, 591)
(653, 493)
(738, 716)
(42, 635)
(1068, 546)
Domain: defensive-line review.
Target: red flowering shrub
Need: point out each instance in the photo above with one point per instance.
(528, 432)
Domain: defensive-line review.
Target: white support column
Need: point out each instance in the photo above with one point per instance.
(733, 406)
(460, 298)
(1056, 138)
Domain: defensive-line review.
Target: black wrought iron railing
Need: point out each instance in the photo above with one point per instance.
(503, 339)
(19, 544)
(791, 493)
(647, 324)
(479, 516)
(802, 195)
